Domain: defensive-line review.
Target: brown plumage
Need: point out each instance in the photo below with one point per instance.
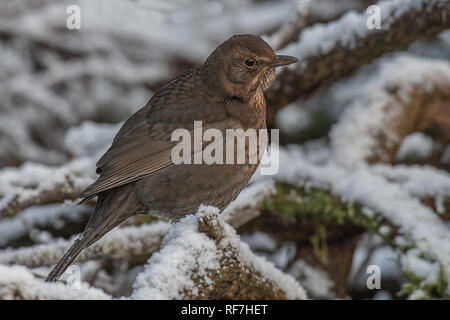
(137, 174)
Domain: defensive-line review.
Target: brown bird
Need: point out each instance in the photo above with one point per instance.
(137, 174)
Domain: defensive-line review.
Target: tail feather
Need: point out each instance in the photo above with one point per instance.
(67, 259)
(113, 207)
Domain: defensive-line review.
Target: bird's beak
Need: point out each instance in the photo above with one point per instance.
(283, 61)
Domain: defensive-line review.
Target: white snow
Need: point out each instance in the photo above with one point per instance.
(250, 197)
(415, 146)
(348, 30)
(292, 119)
(18, 281)
(364, 184)
(315, 281)
(418, 181)
(373, 108)
(260, 241)
(90, 139)
(186, 254)
(27, 220)
(118, 243)
(31, 179)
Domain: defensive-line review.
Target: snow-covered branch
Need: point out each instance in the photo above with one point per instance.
(309, 13)
(390, 201)
(407, 94)
(202, 258)
(121, 243)
(133, 241)
(36, 184)
(18, 283)
(334, 50)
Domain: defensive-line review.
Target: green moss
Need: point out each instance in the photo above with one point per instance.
(319, 244)
(293, 202)
(144, 219)
(432, 290)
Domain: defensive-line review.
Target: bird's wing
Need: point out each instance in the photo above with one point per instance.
(143, 145)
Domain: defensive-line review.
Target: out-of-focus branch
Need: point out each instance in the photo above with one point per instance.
(59, 193)
(35, 184)
(354, 47)
(408, 94)
(119, 244)
(428, 112)
(309, 13)
(132, 241)
(18, 283)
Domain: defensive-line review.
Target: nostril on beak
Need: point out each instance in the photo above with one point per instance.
(283, 61)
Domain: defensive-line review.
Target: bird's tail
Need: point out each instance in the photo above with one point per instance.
(113, 207)
(91, 234)
(67, 259)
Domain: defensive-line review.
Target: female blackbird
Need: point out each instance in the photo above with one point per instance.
(137, 174)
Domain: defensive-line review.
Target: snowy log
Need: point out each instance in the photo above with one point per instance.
(336, 49)
(202, 258)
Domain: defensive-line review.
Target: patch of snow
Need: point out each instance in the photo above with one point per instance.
(260, 241)
(419, 181)
(374, 107)
(348, 30)
(18, 281)
(284, 255)
(31, 179)
(249, 197)
(90, 139)
(292, 119)
(118, 243)
(415, 146)
(53, 214)
(382, 295)
(315, 281)
(186, 253)
(363, 184)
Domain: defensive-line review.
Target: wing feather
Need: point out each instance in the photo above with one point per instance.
(130, 158)
(143, 144)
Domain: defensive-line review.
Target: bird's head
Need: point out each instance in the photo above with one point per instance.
(244, 63)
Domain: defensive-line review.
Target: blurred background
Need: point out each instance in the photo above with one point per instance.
(364, 125)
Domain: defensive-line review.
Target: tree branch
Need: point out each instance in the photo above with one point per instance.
(353, 48)
(132, 241)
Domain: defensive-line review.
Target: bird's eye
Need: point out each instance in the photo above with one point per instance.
(249, 62)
